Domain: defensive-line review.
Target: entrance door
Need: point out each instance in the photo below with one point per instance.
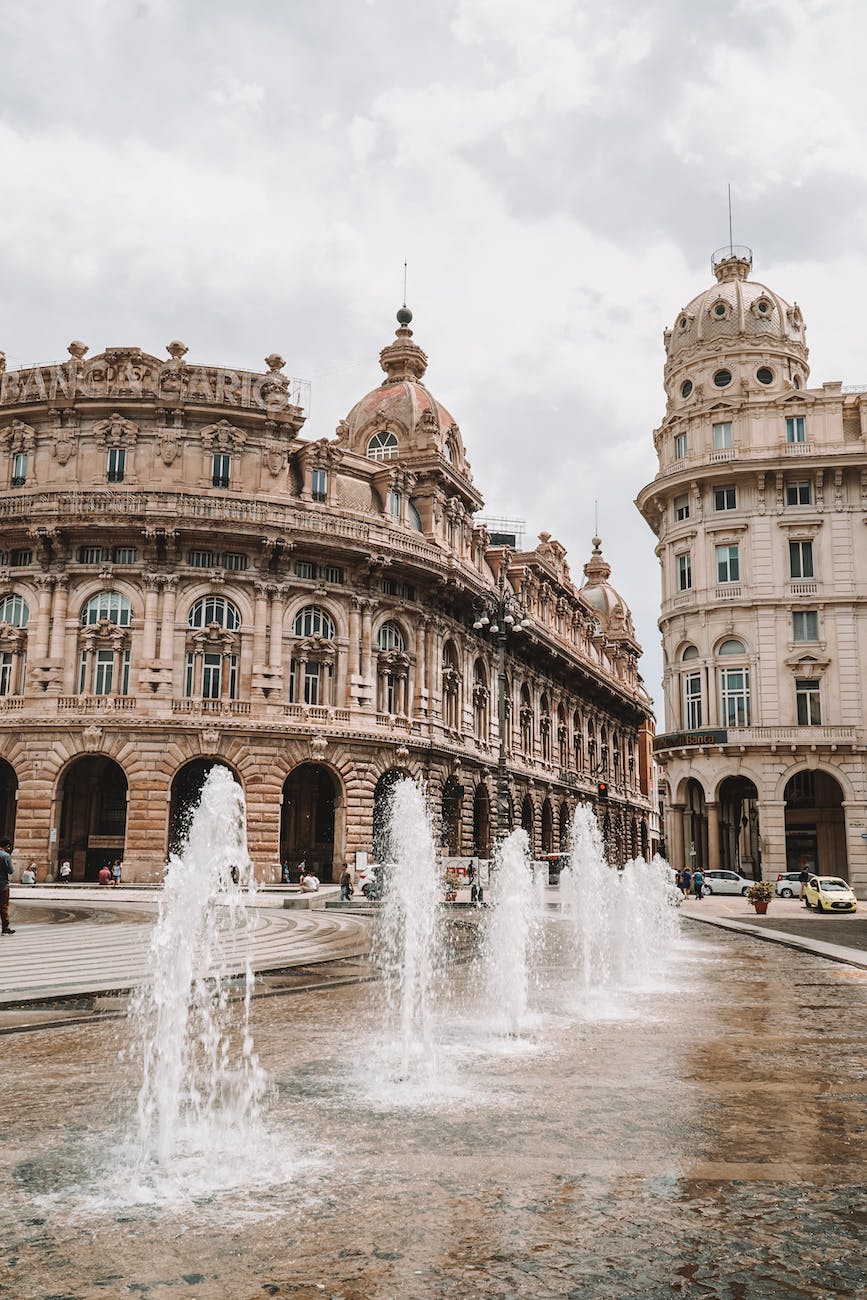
(93, 815)
(307, 821)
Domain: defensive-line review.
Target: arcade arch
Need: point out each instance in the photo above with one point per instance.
(312, 820)
(92, 794)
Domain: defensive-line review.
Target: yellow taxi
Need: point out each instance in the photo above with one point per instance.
(829, 894)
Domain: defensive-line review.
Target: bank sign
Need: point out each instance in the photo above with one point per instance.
(689, 739)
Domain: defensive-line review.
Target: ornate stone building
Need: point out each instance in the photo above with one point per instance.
(760, 505)
(186, 580)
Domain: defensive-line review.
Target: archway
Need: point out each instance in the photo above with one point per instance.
(740, 843)
(311, 800)
(547, 827)
(565, 822)
(482, 822)
(92, 796)
(382, 811)
(450, 828)
(8, 800)
(185, 794)
(695, 826)
(645, 843)
(527, 822)
(815, 825)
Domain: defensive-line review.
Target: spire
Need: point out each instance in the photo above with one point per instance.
(403, 359)
(597, 569)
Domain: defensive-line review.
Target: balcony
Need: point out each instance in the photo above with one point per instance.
(315, 713)
(722, 454)
(98, 703)
(798, 448)
(234, 708)
(803, 587)
(727, 591)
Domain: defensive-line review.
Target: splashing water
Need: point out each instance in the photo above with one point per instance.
(623, 923)
(512, 919)
(202, 1085)
(410, 932)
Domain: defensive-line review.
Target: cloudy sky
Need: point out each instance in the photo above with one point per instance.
(250, 178)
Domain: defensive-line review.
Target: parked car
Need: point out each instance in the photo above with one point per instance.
(369, 881)
(830, 894)
(726, 882)
(788, 884)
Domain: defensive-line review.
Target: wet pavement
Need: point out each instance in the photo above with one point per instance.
(701, 1136)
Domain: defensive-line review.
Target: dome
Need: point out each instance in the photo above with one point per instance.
(611, 609)
(737, 312)
(402, 414)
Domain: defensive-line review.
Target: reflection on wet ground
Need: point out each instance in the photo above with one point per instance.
(848, 930)
(702, 1138)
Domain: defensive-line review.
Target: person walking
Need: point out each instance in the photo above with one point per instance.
(698, 882)
(116, 872)
(346, 884)
(6, 870)
(803, 878)
(65, 872)
(686, 881)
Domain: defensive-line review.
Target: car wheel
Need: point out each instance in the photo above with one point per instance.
(744, 891)
(819, 907)
(708, 889)
(785, 893)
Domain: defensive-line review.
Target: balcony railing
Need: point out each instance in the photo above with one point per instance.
(727, 591)
(99, 703)
(795, 737)
(798, 448)
(803, 588)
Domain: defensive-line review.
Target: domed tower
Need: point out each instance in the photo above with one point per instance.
(761, 481)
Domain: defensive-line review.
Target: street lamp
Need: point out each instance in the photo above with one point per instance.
(501, 614)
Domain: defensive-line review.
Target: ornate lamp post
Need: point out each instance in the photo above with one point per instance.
(502, 615)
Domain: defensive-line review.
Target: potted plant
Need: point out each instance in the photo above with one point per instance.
(760, 894)
(451, 882)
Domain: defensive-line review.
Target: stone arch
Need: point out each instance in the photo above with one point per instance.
(401, 621)
(195, 590)
(333, 607)
(565, 827)
(482, 821)
(91, 587)
(92, 792)
(739, 828)
(382, 795)
(695, 824)
(184, 793)
(816, 823)
(547, 827)
(528, 822)
(451, 818)
(312, 822)
(645, 841)
(8, 799)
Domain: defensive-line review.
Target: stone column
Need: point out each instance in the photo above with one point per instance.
(712, 836)
(260, 625)
(275, 648)
(674, 837)
(167, 628)
(149, 633)
(39, 651)
(58, 618)
(366, 649)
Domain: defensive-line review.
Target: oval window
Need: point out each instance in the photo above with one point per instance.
(683, 322)
(763, 307)
(686, 388)
(764, 375)
(722, 378)
(719, 309)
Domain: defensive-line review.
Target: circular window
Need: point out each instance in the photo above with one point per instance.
(722, 378)
(719, 309)
(763, 307)
(686, 388)
(764, 375)
(683, 322)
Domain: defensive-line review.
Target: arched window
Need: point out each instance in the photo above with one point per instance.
(413, 518)
(693, 711)
(215, 609)
(480, 701)
(108, 605)
(526, 719)
(451, 686)
(545, 727)
(14, 610)
(390, 637)
(382, 446)
(731, 647)
(689, 653)
(562, 736)
(578, 740)
(734, 686)
(312, 620)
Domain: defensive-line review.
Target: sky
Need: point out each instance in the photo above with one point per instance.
(251, 178)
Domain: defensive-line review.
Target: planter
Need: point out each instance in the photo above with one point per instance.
(761, 908)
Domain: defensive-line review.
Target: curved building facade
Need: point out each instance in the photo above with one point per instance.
(185, 580)
(759, 507)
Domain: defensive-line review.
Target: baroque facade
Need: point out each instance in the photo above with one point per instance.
(760, 505)
(186, 580)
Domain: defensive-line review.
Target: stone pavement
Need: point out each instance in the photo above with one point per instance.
(840, 938)
(69, 943)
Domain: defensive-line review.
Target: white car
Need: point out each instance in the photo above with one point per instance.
(788, 884)
(726, 882)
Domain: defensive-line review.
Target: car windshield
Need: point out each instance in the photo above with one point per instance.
(828, 886)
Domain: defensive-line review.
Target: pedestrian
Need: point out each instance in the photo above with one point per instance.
(309, 883)
(104, 874)
(116, 871)
(686, 881)
(698, 882)
(803, 878)
(28, 875)
(6, 871)
(65, 872)
(286, 874)
(346, 884)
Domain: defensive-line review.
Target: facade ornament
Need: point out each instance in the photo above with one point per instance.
(18, 436)
(318, 745)
(209, 739)
(274, 459)
(401, 753)
(115, 431)
(78, 350)
(91, 738)
(168, 446)
(223, 436)
(177, 350)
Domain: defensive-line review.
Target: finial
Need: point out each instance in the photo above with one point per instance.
(77, 349)
(404, 316)
(177, 350)
(597, 543)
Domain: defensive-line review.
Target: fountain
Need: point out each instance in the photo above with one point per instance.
(410, 931)
(202, 1084)
(508, 942)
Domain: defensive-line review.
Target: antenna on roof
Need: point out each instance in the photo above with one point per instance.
(596, 515)
(404, 284)
(731, 239)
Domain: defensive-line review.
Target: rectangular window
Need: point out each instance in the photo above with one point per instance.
(722, 436)
(19, 469)
(312, 672)
(189, 672)
(90, 555)
(725, 498)
(809, 704)
(20, 559)
(728, 567)
(798, 494)
(304, 569)
(212, 676)
(331, 573)
(805, 625)
(681, 446)
(200, 559)
(233, 677)
(389, 587)
(6, 673)
(116, 464)
(82, 672)
(692, 701)
(124, 555)
(684, 572)
(796, 428)
(221, 469)
(681, 508)
(735, 697)
(235, 561)
(103, 673)
(394, 504)
(319, 485)
(801, 559)
(124, 673)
